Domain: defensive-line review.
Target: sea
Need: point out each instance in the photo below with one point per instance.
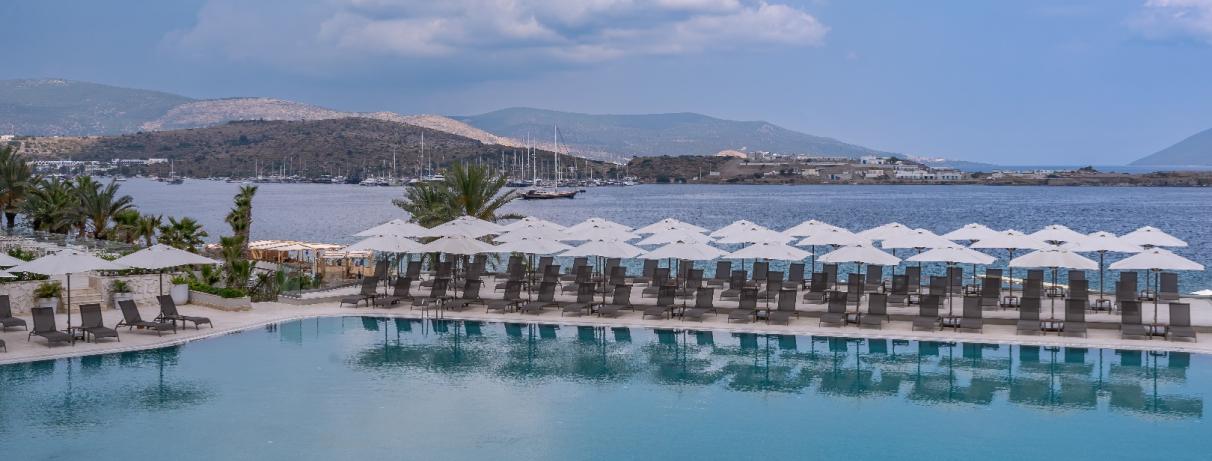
(332, 213)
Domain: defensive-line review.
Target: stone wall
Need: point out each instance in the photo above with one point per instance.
(143, 287)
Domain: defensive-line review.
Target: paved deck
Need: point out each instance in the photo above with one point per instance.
(999, 326)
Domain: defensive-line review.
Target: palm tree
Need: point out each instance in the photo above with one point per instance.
(126, 225)
(99, 204)
(468, 190)
(240, 216)
(185, 234)
(16, 183)
(53, 206)
(146, 228)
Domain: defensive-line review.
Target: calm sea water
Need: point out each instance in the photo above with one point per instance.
(332, 213)
(367, 388)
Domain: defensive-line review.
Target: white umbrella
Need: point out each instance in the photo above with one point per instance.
(1101, 242)
(834, 236)
(862, 254)
(1152, 237)
(466, 226)
(8, 261)
(674, 235)
(456, 245)
(385, 244)
(736, 226)
(529, 245)
(1054, 259)
(531, 231)
(394, 227)
(598, 232)
(917, 238)
(694, 251)
(161, 256)
(669, 223)
(808, 227)
(605, 249)
(6, 275)
(952, 255)
(971, 232)
(1157, 260)
(597, 222)
(532, 221)
(1058, 234)
(67, 262)
(754, 234)
(1011, 241)
(886, 231)
(769, 250)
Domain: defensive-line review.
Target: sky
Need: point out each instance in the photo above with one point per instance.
(1021, 82)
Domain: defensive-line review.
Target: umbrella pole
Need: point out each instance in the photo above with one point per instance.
(69, 304)
(1156, 295)
(1010, 269)
(1101, 254)
(161, 282)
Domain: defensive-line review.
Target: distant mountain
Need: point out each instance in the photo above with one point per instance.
(65, 107)
(342, 146)
(656, 134)
(1193, 151)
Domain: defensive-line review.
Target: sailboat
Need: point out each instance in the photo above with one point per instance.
(553, 192)
(172, 174)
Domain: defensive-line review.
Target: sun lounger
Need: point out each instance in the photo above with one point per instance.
(723, 269)
(991, 291)
(759, 273)
(927, 316)
(899, 293)
(664, 305)
(168, 311)
(650, 267)
(6, 315)
(92, 323)
(785, 308)
(660, 278)
(545, 299)
(1028, 316)
(736, 283)
(132, 319)
(774, 283)
(399, 292)
(691, 284)
(831, 274)
(574, 272)
(875, 278)
(1180, 322)
(368, 292)
(835, 313)
(583, 275)
(913, 275)
(703, 304)
(583, 304)
(621, 300)
(795, 276)
(470, 295)
(1075, 318)
(44, 326)
(1131, 325)
(746, 310)
(972, 319)
(817, 288)
(877, 311)
(511, 299)
(1169, 287)
(854, 288)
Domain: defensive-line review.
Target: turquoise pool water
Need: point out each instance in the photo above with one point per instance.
(339, 388)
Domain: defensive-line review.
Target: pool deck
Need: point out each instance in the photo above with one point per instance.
(999, 326)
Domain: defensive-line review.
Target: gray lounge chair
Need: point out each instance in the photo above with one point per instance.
(368, 292)
(875, 278)
(746, 310)
(785, 308)
(92, 323)
(1180, 322)
(511, 299)
(132, 319)
(991, 291)
(972, 319)
(927, 315)
(723, 269)
(619, 301)
(470, 295)
(704, 303)
(437, 294)
(1169, 287)
(664, 305)
(44, 326)
(660, 278)
(835, 313)
(1131, 325)
(1028, 316)
(877, 311)
(913, 277)
(399, 292)
(168, 311)
(584, 302)
(817, 288)
(1075, 318)
(736, 283)
(6, 315)
(899, 294)
(545, 299)
(795, 276)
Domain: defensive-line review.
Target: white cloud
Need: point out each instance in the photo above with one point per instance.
(1175, 19)
(333, 31)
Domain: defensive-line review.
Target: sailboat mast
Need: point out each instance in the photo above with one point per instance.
(556, 138)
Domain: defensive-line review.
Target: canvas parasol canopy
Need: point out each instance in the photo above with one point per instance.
(467, 226)
(1101, 242)
(769, 250)
(161, 256)
(598, 222)
(393, 227)
(671, 235)
(1054, 259)
(952, 255)
(532, 222)
(67, 262)
(669, 223)
(1157, 260)
(680, 250)
(736, 226)
(1149, 236)
(8, 261)
(1057, 234)
(605, 249)
(886, 231)
(809, 227)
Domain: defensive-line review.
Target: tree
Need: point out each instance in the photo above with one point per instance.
(16, 182)
(146, 228)
(99, 204)
(126, 225)
(240, 216)
(53, 206)
(470, 190)
(185, 234)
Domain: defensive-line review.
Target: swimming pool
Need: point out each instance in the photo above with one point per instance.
(338, 388)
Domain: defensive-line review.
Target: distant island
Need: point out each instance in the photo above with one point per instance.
(1193, 151)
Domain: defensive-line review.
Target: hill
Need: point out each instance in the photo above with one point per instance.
(345, 146)
(1193, 151)
(656, 134)
(65, 107)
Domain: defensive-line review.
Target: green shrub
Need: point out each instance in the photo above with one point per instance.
(48, 290)
(217, 291)
(179, 280)
(119, 286)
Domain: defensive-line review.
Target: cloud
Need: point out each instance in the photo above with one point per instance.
(1175, 19)
(324, 33)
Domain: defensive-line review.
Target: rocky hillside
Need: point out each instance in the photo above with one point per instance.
(1193, 151)
(65, 107)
